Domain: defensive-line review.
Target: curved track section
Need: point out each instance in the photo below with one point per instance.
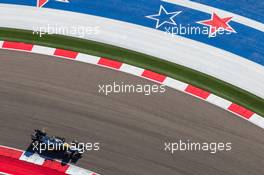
(39, 91)
(224, 64)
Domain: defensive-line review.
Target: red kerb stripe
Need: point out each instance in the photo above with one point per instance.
(197, 92)
(17, 167)
(17, 46)
(240, 111)
(12, 153)
(153, 75)
(56, 165)
(110, 63)
(66, 53)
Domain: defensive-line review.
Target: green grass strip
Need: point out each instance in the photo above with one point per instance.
(206, 82)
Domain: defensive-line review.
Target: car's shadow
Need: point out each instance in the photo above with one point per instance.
(51, 155)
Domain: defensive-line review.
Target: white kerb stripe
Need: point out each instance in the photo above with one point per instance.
(87, 58)
(218, 101)
(74, 170)
(43, 50)
(34, 158)
(208, 9)
(175, 84)
(1, 44)
(257, 120)
(131, 69)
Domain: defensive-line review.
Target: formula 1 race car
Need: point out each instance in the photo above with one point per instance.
(42, 142)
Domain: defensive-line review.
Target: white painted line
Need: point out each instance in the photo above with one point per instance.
(11, 148)
(87, 58)
(257, 120)
(208, 9)
(2, 173)
(175, 84)
(218, 101)
(34, 158)
(74, 170)
(131, 69)
(43, 50)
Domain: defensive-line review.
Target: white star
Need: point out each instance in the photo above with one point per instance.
(169, 17)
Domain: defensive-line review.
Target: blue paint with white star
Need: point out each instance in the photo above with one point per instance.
(247, 42)
(164, 17)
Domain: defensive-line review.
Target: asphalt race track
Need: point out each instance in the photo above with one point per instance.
(62, 95)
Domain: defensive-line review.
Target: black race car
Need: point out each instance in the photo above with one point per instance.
(42, 142)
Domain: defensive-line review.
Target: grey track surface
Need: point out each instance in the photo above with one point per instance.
(62, 95)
